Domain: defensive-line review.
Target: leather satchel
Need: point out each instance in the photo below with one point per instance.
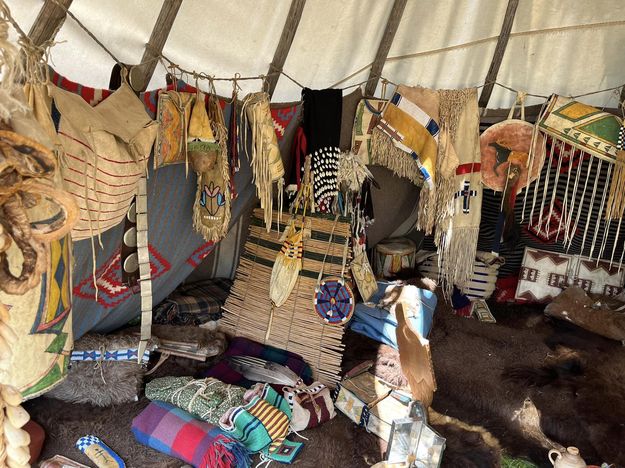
(363, 275)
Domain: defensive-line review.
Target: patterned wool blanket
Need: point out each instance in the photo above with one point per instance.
(206, 399)
(175, 249)
(193, 303)
(175, 432)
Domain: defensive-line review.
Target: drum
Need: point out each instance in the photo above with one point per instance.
(393, 256)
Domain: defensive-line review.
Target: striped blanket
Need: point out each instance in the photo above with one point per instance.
(262, 424)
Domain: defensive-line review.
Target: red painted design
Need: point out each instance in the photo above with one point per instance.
(552, 227)
(282, 117)
(111, 290)
(468, 168)
(541, 255)
(592, 266)
(585, 284)
(557, 280)
(528, 296)
(609, 290)
(200, 254)
(529, 274)
(567, 160)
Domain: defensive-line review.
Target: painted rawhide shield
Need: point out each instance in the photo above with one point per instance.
(505, 144)
(41, 318)
(334, 301)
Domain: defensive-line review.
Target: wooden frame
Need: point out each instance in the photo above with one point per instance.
(385, 45)
(158, 37)
(284, 45)
(500, 49)
(48, 22)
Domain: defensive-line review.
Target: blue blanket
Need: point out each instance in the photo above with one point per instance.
(175, 248)
(381, 325)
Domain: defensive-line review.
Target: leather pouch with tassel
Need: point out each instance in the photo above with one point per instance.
(211, 210)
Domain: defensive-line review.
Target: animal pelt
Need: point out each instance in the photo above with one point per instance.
(466, 446)
(209, 341)
(102, 383)
(592, 386)
(65, 422)
(486, 372)
(574, 305)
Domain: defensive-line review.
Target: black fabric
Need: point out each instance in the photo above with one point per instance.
(322, 127)
(322, 117)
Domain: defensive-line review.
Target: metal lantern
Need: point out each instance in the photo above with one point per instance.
(413, 442)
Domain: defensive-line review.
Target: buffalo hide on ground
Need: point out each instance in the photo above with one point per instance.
(575, 379)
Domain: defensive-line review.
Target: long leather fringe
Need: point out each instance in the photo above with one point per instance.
(385, 153)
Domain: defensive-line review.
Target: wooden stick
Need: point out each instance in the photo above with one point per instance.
(155, 45)
(284, 45)
(385, 45)
(48, 21)
(500, 49)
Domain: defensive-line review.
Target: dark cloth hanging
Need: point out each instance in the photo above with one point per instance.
(322, 128)
(322, 117)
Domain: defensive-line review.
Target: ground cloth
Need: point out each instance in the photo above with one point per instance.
(175, 432)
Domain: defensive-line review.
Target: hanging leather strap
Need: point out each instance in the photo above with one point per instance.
(520, 101)
(145, 278)
(323, 264)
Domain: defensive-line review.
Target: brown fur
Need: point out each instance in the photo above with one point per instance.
(103, 383)
(487, 371)
(485, 374)
(575, 306)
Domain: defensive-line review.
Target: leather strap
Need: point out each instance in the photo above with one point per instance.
(145, 279)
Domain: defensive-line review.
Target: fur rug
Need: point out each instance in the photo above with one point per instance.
(527, 381)
(102, 383)
(533, 382)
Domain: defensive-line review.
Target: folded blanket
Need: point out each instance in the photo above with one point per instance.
(262, 424)
(175, 432)
(207, 399)
(194, 303)
(240, 346)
